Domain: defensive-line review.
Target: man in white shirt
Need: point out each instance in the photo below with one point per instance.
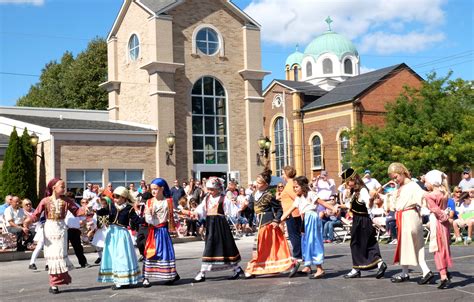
(15, 216)
(370, 183)
(325, 186)
(88, 193)
(467, 182)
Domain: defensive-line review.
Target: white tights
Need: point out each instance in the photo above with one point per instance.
(421, 261)
(34, 255)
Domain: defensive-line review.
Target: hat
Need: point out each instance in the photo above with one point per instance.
(348, 174)
(122, 191)
(215, 183)
(324, 173)
(434, 177)
(367, 171)
(466, 171)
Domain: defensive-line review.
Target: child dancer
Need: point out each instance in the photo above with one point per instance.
(119, 261)
(436, 183)
(220, 251)
(271, 253)
(55, 206)
(312, 245)
(102, 220)
(160, 261)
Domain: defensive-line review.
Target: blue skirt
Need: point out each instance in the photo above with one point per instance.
(159, 255)
(119, 262)
(312, 244)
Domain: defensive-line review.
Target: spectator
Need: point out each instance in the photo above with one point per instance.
(467, 182)
(325, 186)
(143, 188)
(232, 192)
(370, 183)
(29, 210)
(189, 189)
(198, 193)
(89, 193)
(4, 206)
(133, 191)
(109, 191)
(176, 193)
(15, 216)
(333, 219)
(249, 189)
(465, 218)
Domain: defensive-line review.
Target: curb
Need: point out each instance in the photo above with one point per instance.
(14, 255)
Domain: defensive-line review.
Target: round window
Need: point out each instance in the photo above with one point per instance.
(133, 47)
(207, 41)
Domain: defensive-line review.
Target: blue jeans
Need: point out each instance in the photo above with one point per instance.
(328, 230)
(294, 225)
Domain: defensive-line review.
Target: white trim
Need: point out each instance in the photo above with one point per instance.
(139, 3)
(128, 123)
(110, 86)
(119, 19)
(162, 92)
(106, 137)
(253, 74)
(240, 12)
(77, 114)
(52, 153)
(254, 98)
(95, 131)
(127, 48)
(220, 50)
(273, 82)
(165, 67)
(310, 143)
(7, 124)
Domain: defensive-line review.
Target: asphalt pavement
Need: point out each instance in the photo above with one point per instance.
(17, 283)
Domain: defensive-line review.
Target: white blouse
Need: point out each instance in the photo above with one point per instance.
(306, 204)
(159, 210)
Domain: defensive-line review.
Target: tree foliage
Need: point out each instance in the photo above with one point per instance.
(18, 176)
(73, 82)
(427, 128)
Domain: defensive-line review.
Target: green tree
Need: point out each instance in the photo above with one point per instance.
(29, 158)
(72, 83)
(426, 128)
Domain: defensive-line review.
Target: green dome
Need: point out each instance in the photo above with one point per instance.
(332, 42)
(294, 58)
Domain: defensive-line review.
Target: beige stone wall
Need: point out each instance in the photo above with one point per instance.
(104, 155)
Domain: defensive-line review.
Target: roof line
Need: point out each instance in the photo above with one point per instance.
(273, 82)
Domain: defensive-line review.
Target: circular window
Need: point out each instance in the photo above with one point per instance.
(133, 47)
(207, 41)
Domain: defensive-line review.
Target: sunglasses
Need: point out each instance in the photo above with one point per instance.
(117, 196)
(28, 204)
(280, 187)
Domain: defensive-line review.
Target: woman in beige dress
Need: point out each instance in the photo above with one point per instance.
(410, 248)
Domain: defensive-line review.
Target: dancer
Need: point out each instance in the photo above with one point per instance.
(364, 246)
(55, 206)
(436, 183)
(102, 220)
(271, 252)
(160, 261)
(220, 251)
(410, 247)
(119, 262)
(39, 239)
(312, 244)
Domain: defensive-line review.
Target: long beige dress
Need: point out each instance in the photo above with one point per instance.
(410, 243)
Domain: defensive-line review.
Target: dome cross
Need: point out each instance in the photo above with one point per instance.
(329, 21)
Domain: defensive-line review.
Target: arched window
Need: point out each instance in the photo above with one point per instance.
(209, 122)
(309, 69)
(347, 66)
(278, 131)
(133, 47)
(317, 154)
(345, 148)
(327, 66)
(295, 73)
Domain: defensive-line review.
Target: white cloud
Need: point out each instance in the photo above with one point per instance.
(364, 69)
(34, 2)
(387, 43)
(288, 22)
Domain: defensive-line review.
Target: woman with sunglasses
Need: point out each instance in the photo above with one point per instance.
(119, 263)
(160, 260)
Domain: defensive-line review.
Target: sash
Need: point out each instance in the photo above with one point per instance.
(398, 217)
(150, 245)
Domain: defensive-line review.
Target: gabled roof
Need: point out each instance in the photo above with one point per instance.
(74, 124)
(296, 86)
(4, 139)
(158, 7)
(353, 87)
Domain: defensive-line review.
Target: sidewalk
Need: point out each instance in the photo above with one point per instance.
(9, 255)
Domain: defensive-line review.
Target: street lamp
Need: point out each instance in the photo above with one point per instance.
(264, 143)
(170, 141)
(34, 139)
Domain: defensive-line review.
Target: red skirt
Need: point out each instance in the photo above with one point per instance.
(59, 279)
(271, 252)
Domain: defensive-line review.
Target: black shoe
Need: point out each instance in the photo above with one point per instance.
(381, 271)
(170, 282)
(236, 274)
(449, 276)
(98, 260)
(196, 280)
(294, 270)
(400, 279)
(146, 283)
(87, 265)
(140, 259)
(353, 275)
(444, 284)
(320, 276)
(249, 276)
(33, 267)
(118, 287)
(427, 278)
(53, 290)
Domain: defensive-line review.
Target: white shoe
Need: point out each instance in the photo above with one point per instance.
(468, 241)
(394, 241)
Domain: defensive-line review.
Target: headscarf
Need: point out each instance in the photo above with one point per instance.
(215, 183)
(434, 177)
(122, 191)
(160, 182)
(398, 168)
(107, 198)
(49, 189)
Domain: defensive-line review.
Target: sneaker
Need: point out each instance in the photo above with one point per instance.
(468, 241)
(394, 241)
(32, 267)
(146, 283)
(54, 290)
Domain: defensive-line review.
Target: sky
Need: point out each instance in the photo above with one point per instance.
(427, 35)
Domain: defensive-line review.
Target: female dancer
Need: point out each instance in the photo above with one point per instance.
(220, 251)
(271, 253)
(410, 247)
(364, 246)
(312, 244)
(436, 183)
(55, 206)
(119, 262)
(159, 252)
(102, 220)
